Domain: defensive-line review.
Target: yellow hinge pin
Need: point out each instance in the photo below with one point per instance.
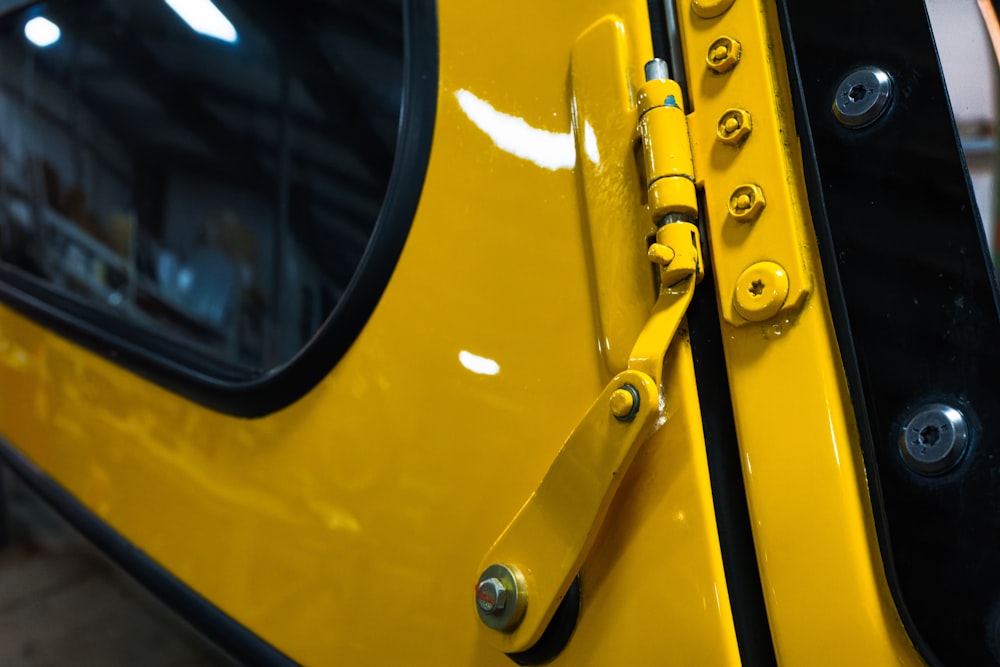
(666, 146)
(669, 169)
(590, 465)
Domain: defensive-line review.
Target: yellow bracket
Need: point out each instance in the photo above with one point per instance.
(550, 537)
(528, 570)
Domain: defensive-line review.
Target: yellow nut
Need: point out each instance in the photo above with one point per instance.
(734, 126)
(723, 54)
(709, 9)
(761, 291)
(624, 403)
(746, 202)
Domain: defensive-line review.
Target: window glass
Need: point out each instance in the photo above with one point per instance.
(207, 174)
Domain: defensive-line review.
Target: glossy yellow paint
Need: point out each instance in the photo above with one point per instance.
(666, 150)
(574, 496)
(347, 528)
(824, 583)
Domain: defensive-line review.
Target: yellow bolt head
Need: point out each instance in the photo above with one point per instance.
(734, 127)
(723, 54)
(761, 291)
(709, 9)
(622, 403)
(746, 202)
(660, 254)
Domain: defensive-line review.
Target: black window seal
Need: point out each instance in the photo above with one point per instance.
(233, 391)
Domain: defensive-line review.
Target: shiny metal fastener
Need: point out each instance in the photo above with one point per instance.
(491, 596)
(934, 438)
(862, 97)
(501, 597)
(657, 69)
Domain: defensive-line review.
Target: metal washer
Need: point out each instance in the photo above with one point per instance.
(934, 438)
(862, 97)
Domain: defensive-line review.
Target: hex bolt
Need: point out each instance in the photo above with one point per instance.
(746, 202)
(625, 403)
(934, 438)
(862, 97)
(734, 127)
(709, 9)
(761, 291)
(501, 597)
(491, 596)
(723, 55)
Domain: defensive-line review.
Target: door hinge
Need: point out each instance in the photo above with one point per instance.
(530, 567)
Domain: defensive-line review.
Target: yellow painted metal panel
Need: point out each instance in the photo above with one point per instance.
(347, 528)
(825, 589)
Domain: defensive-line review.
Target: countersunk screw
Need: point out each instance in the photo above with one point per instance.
(761, 291)
(723, 54)
(491, 596)
(934, 438)
(746, 202)
(734, 126)
(625, 403)
(862, 97)
(709, 9)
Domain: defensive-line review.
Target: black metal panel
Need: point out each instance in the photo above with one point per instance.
(913, 296)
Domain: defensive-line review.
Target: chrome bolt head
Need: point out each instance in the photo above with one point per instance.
(862, 97)
(501, 597)
(934, 438)
(491, 596)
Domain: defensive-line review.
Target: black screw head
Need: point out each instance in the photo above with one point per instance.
(934, 438)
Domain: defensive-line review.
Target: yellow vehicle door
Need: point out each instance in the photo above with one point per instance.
(365, 333)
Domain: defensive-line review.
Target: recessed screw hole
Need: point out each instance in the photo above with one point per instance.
(757, 287)
(858, 93)
(929, 435)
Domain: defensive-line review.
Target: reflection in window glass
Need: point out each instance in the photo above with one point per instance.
(969, 64)
(209, 171)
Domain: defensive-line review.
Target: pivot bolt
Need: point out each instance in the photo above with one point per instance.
(862, 97)
(491, 596)
(934, 438)
(723, 54)
(734, 126)
(761, 291)
(625, 403)
(746, 202)
(501, 597)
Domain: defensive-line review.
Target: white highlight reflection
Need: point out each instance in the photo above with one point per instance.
(551, 150)
(42, 32)
(478, 364)
(205, 19)
(590, 144)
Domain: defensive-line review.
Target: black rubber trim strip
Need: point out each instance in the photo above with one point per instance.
(227, 390)
(236, 640)
(732, 516)
(842, 325)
